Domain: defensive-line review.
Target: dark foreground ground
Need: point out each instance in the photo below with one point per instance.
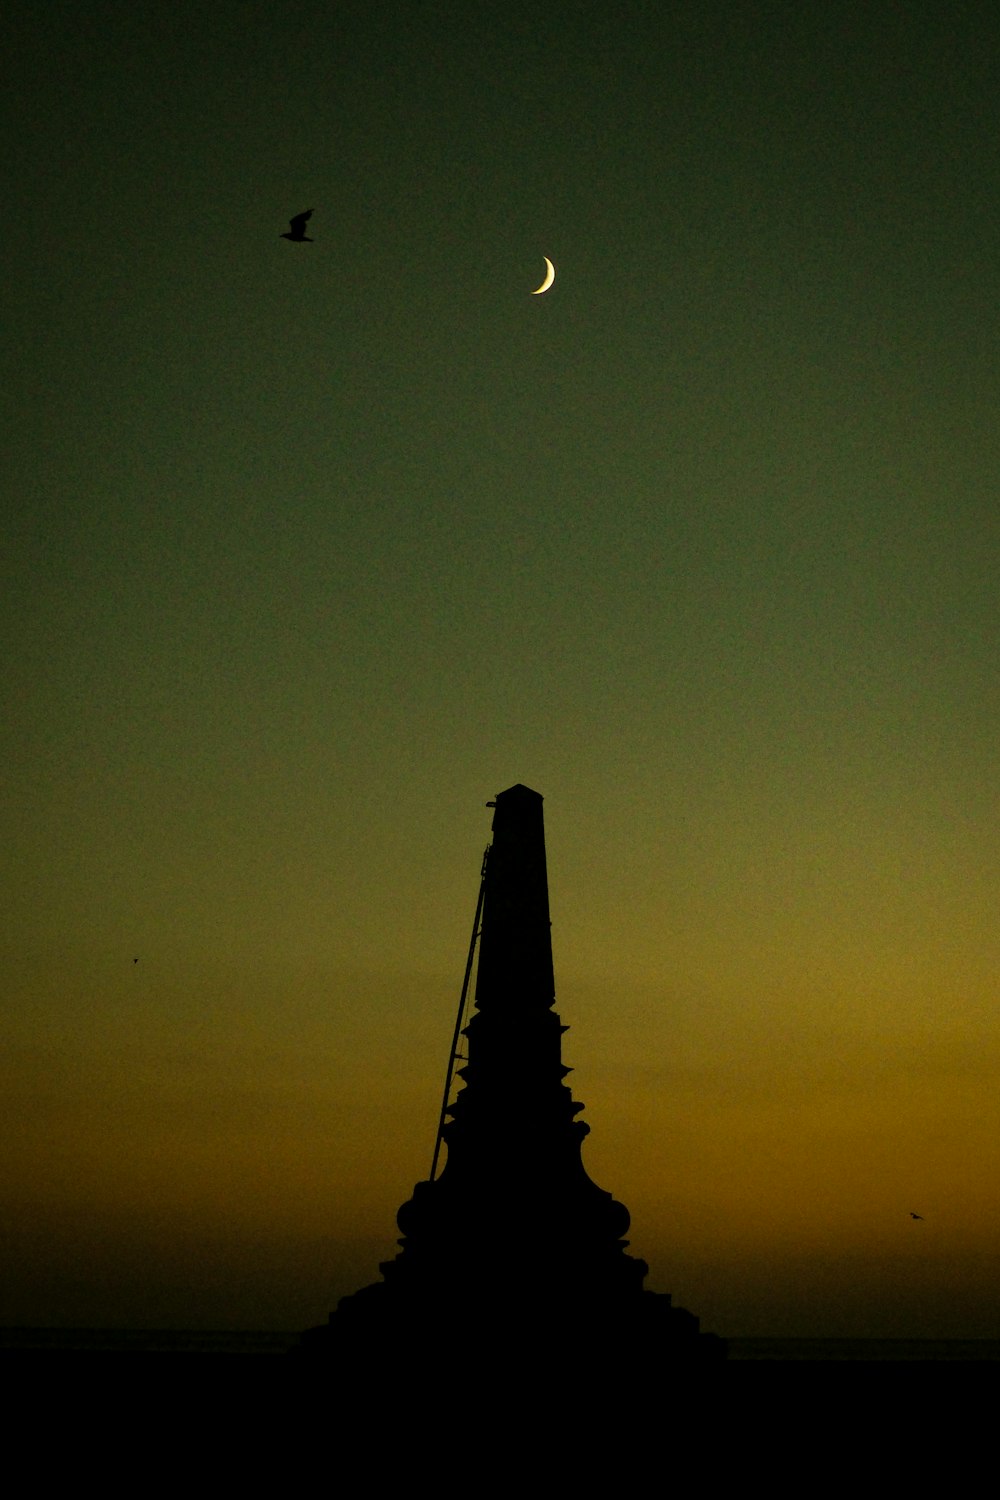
(128, 1411)
(81, 1341)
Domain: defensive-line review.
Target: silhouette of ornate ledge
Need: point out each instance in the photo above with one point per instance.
(513, 1239)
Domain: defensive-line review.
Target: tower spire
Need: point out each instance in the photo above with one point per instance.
(513, 1231)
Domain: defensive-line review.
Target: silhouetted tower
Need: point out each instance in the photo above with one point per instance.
(513, 1238)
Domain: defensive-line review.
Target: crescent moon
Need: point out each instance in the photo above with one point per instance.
(550, 276)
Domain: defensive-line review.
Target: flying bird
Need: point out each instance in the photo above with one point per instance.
(297, 228)
(915, 1216)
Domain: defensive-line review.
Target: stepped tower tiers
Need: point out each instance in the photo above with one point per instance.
(513, 1245)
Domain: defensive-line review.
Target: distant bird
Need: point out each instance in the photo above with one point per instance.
(135, 960)
(915, 1216)
(297, 229)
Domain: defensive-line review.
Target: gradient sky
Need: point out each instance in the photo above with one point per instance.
(310, 550)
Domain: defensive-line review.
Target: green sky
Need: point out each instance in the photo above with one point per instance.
(309, 550)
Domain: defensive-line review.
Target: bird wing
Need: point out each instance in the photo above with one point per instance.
(298, 224)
